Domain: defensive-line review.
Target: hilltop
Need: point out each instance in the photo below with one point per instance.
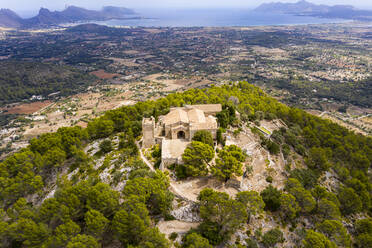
(45, 17)
(275, 177)
(309, 9)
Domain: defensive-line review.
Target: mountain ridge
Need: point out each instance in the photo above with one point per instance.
(306, 8)
(9, 18)
(45, 17)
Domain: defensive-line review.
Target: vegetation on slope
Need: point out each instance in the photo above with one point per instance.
(86, 211)
(358, 93)
(22, 80)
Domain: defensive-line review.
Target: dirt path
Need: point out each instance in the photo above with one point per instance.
(144, 158)
(168, 227)
(173, 185)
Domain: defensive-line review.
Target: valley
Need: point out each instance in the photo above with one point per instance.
(311, 67)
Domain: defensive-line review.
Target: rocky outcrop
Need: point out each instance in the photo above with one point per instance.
(46, 18)
(187, 212)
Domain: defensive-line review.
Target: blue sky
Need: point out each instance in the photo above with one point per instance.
(27, 5)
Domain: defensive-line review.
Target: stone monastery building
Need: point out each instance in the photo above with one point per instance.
(174, 131)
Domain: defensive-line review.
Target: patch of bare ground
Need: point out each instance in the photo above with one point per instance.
(356, 118)
(82, 124)
(125, 62)
(262, 162)
(367, 120)
(268, 222)
(153, 30)
(264, 165)
(176, 84)
(104, 75)
(344, 124)
(355, 110)
(131, 52)
(175, 226)
(273, 53)
(78, 109)
(314, 112)
(191, 188)
(326, 106)
(199, 83)
(170, 84)
(27, 108)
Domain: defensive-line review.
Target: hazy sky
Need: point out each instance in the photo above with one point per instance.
(24, 5)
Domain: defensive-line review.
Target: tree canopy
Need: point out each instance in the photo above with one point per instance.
(229, 163)
(220, 212)
(83, 209)
(204, 137)
(196, 158)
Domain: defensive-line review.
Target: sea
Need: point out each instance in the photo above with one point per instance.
(214, 18)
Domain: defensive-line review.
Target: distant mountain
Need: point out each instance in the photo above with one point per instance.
(309, 9)
(9, 19)
(47, 18)
(116, 12)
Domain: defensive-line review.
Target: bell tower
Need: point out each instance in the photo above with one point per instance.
(148, 130)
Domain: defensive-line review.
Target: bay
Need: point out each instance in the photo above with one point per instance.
(213, 18)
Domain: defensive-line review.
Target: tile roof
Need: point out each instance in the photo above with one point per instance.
(175, 116)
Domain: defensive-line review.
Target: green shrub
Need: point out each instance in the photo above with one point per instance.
(173, 236)
(105, 146)
(272, 237)
(271, 197)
